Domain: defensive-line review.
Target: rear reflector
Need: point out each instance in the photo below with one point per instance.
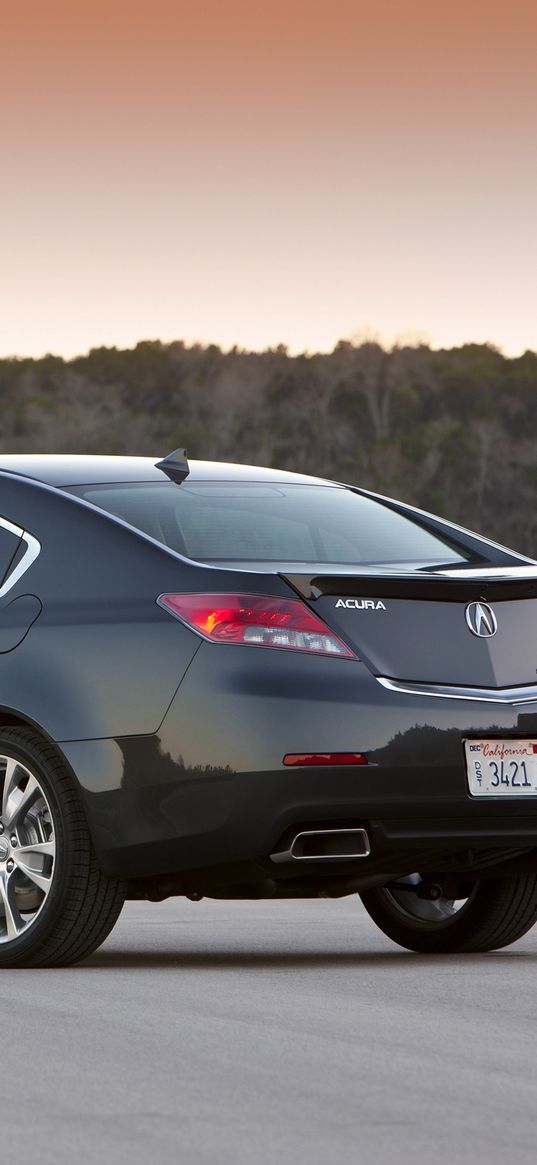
(325, 758)
(257, 621)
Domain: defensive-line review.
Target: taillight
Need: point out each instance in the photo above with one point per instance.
(256, 620)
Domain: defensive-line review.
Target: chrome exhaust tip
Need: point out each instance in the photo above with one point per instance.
(325, 845)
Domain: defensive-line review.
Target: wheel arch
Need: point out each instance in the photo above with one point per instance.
(12, 718)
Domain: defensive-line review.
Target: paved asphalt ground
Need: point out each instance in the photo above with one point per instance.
(262, 1032)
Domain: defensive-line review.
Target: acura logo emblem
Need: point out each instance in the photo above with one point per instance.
(481, 620)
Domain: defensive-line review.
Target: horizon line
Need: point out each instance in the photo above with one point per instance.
(413, 342)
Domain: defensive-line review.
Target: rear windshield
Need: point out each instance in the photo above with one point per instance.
(248, 522)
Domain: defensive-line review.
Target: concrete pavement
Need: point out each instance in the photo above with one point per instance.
(250, 1033)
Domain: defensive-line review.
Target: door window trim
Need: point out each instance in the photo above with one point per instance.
(32, 550)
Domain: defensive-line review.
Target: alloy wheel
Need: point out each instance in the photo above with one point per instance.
(27, 849)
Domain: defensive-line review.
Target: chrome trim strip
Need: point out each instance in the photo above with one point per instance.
(523, 695)
(33, 548)
(489, 573)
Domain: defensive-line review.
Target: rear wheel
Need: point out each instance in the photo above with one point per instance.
(56, 905)
(494, 913)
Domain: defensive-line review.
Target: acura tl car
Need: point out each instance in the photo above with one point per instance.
(230, 682)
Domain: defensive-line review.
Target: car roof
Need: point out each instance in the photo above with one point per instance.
(66, 469)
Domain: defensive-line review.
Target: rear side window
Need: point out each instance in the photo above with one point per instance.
(250, 522)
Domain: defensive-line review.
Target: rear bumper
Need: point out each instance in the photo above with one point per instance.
(209, 790)
(200, 821)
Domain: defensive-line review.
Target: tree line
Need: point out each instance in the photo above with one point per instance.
(453, 431)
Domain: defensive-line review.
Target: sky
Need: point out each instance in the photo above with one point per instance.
(263, 172)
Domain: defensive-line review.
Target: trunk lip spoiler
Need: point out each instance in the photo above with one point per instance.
(488, 585)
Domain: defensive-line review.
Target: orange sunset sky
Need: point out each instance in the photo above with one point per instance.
(255, 171)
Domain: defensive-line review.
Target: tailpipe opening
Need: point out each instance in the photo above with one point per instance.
(325, 845)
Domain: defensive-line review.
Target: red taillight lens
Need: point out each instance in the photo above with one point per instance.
(325, 758)
(256, 620)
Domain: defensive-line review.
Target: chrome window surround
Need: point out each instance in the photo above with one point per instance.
(33, 548)
(522, 695)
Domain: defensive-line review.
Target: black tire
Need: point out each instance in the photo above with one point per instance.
(77, 910)
(496, 913)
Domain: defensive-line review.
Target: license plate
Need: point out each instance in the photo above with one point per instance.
(501, 768)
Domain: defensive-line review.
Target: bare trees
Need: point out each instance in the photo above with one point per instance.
(454, 431)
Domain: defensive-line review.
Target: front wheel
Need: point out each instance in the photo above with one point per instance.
(495, 913)
(56, 905)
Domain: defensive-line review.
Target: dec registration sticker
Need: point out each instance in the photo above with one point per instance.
(501, 768)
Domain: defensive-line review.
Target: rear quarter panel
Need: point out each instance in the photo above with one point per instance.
(102, 659)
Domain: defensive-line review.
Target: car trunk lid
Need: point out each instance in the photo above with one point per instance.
(417, 627)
